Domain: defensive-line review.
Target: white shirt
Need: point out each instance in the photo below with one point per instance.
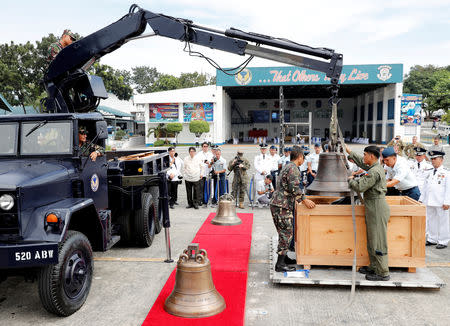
(285, 159)
(304, 166)
(402, 172)
(436, 189)
(175, 168)
(262, 186)
(262, 163)
(275, 159)
(313, 158)
(421, 171)
(202, 156)
(192, 169)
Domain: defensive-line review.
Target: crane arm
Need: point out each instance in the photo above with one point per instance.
(71, 89)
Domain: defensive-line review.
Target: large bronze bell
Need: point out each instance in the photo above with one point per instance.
(331, 177)
(226, 212)
(194, 294)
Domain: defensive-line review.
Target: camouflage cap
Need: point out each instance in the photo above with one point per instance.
(82, 130)
(70, 33)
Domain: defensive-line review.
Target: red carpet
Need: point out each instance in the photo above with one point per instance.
(228, 249)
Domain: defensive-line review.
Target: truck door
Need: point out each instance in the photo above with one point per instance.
(94, 176)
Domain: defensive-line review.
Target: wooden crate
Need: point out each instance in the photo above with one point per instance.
(324, 234)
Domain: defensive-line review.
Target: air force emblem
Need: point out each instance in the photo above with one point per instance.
(384, 73)
(244, 77)
(94, 182)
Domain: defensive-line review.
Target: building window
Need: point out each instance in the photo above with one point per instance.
(370, 113)
(361, 116)
(380, 110)
(391, 106)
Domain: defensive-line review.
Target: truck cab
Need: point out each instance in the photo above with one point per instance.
(55, 202)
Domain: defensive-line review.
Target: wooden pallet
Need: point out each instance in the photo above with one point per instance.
(424, 278)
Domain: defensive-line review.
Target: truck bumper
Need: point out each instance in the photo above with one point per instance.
(28, 255)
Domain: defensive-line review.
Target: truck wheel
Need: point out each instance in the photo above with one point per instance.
(158, 218)
(124, 219)
(144, 222)
(64, 287)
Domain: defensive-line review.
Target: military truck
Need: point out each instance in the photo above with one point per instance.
(56, 204)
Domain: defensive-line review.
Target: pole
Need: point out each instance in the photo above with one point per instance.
(282, 131)
(164, 210)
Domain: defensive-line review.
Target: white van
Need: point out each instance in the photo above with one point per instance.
(443, 130)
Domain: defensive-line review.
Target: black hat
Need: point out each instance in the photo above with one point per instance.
(420, 151)
(263, 145)
(434, 154)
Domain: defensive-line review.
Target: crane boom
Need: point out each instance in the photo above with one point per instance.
(71, 89)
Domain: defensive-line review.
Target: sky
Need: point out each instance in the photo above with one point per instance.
(366, 32)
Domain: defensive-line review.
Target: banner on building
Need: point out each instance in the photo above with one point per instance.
(198, 111)
(163, 112)
(411, 110)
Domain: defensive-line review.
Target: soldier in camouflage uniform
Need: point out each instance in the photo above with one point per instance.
(239, 165)
(87, 149)
(377, 211)
(66, 39)
(282, 206)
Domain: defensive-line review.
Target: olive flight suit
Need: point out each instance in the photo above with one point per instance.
(373, 186)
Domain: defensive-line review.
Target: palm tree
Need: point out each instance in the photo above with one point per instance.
(157, 131)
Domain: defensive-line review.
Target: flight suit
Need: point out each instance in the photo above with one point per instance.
(377, 211)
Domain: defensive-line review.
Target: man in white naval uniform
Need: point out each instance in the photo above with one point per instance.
(436, 197)
(262, 163)
(274, 169)
(420, 166)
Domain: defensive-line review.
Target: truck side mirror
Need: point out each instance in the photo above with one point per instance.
(102, 129)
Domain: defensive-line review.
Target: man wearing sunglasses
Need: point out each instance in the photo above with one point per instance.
(66, 39)
(87, 148)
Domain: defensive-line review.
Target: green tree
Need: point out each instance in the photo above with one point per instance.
(143, 78)
(113, 80)
(198, 127)
(18, 82)
(166, 83)
(157, 131)
(176, 128)
(195, 79)
(423, 80)
(439, 97)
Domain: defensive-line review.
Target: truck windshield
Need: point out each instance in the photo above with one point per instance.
(50, 138)
(8, 138)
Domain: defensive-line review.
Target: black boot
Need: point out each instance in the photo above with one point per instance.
(281, 266)
(290, 261)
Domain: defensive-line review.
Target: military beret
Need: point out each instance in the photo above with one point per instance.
(316, 145)
(420, 150)
(388, 151)
(434, 154)
(69, 32)
(287, 149)
(273, 147)
(263, 145)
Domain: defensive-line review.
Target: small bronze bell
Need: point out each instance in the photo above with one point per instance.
(194, 294)
(226, 212)
(331, 178)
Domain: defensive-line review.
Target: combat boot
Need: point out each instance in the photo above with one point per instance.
(290, 261)
(281, 266)
(241, 205)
